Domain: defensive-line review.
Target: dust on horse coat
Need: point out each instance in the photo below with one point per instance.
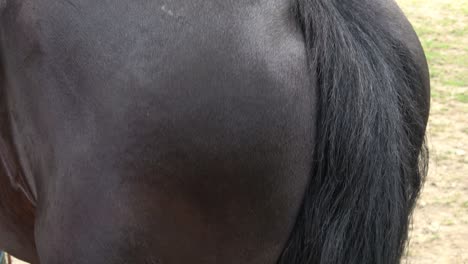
(265, 131)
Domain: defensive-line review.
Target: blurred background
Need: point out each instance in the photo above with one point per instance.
(440, 227)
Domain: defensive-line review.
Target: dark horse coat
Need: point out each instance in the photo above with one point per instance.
(209, 131)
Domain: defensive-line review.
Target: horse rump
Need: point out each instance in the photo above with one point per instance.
(370, 159)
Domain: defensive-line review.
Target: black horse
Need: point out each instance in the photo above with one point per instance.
(209, 131)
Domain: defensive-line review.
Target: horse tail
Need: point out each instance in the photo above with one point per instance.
(370, 159)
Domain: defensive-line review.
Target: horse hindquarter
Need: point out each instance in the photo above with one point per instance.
(160, 132)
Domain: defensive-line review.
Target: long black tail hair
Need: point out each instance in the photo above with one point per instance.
(370, 158)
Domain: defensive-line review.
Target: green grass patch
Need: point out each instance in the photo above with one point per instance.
(463, 98)
(465, 204)
(456, 83)
(442, 29)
